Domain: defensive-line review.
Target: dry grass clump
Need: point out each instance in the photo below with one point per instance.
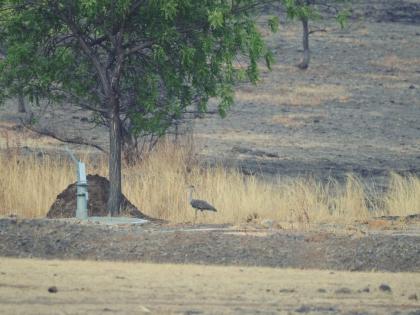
(403, 196)
(157, 185)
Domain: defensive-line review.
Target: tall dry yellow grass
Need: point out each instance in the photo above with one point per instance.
(28, 186)
(158, 186)
(403, 196)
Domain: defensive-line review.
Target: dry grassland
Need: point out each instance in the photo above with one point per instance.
(294, 120)
(14, 137)
(85, 287)
(308, 95)
(395, 63)
(157, 185)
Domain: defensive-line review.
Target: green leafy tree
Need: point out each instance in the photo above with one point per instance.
(136, 64)
(22, 107)
(307, 10)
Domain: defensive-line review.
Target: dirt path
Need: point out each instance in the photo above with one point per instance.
(127, 288)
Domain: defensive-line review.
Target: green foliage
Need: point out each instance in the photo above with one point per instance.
(342, 17)
(274, 23)
(311, 9)
(153, 57)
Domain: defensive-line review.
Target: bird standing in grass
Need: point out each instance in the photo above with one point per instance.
(199, 205)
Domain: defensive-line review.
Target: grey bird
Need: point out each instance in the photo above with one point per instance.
(199, 205)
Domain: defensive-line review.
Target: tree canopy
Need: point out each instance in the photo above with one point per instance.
(136, 64)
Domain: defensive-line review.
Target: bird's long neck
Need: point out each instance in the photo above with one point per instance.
(190, 194)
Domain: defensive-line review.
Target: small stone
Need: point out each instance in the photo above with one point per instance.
(411, 87)
(287, 290)
(324, 309)
(343, 291)
(322, 290)
(303, 309)
(385, 288)
(53, 289)
(268, 223)
(413, 297)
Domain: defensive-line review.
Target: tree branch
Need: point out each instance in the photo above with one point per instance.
(88, 51)
(50, 133)
(317, 30)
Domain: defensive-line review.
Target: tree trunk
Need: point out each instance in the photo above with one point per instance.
(114, 199)
(21, 104)
(306, 53)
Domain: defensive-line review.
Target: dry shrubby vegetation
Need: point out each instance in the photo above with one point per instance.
(157, 186)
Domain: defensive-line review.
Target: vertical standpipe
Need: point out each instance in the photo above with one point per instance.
(82, 192)
(82, 196)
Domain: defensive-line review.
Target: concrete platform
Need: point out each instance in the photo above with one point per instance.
(116, 220)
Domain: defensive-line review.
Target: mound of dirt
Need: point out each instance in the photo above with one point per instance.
(98, 188)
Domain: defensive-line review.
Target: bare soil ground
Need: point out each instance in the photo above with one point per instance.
(136, 288)
(376, 245)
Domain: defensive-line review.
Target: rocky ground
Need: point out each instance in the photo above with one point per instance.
(351, 248)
